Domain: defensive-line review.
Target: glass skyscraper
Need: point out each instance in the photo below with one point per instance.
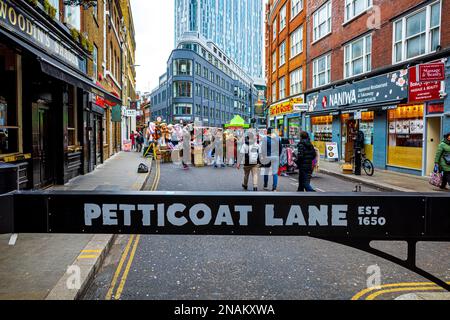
(235, 26)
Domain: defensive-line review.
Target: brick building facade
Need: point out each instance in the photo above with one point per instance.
(358, 78)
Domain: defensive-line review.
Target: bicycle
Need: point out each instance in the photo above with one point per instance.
(366, 164)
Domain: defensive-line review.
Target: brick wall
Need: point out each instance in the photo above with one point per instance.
(291, 64)
(382, 37)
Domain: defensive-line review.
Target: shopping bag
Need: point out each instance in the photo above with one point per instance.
(436, 178)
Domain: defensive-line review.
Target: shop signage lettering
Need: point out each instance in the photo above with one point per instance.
(281, 109)
(435, 108)
(16, 21)
(432, 72)
(380, 89)
(421, 91)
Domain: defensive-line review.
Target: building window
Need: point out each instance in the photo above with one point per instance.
(322, 21)
(198, 69)
(358, 56)
(296, 7)
(322, 70)
(406, 136)
(72, 16)
(417, 33)
(274, 29)
(283, 53)
(283, 18)
(355, 7)
(205, 73)
(182, 89)
(296, 79)
(94, 10)
(297, 42)
(274, 61)
(182, 109)
(9, 125)
(274, 92)
(283, 88)
(182, 67)
(95, 62)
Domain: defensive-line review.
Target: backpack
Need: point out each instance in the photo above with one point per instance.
(253, 154)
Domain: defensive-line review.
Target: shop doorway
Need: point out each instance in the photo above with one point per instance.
(98, 135)
(434, 130)
(43, 153)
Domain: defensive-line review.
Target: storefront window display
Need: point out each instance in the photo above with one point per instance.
(280, 127)
(367, 127)
(9, 129)
(406, 133)
(321, 131)
(294, 129)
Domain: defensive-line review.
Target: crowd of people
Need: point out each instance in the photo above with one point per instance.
(258, 153)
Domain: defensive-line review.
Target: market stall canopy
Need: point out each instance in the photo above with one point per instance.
(237, 123)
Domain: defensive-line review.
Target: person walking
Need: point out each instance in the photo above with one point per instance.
(133, 140)
(249, 156)
(218, 148)
(270, 158)
(442, 160)
(139, 140)
(305, 157)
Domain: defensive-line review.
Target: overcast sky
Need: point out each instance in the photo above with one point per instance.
(154, 26)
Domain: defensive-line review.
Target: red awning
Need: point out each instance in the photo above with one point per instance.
(104, 102)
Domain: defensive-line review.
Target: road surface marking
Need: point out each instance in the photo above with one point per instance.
(88, 257)
(157, 177)
(373, 296)
(127, 270)
(123, 280)
(92, 251)
(119, 269)
(392, 285)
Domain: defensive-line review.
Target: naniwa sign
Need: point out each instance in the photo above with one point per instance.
(388, 87)
(383, 216)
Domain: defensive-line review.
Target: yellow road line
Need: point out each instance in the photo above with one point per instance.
(123, 280)
(157, 176)
(91, 251)
(119, 269)
(88, 257)
(127, 270)
(392, 285)
(379, 293)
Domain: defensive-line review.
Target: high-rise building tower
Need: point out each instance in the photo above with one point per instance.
(236, 26)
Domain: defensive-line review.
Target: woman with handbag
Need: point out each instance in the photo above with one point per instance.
(443, 160)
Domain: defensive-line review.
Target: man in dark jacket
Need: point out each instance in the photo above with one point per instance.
(305, 157)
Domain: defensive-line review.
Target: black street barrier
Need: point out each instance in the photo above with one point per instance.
(349, 219)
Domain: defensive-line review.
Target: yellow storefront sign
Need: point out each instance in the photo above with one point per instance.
(286, 107)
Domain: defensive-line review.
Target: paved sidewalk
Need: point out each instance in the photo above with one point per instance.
(36, 267)
(382, 179)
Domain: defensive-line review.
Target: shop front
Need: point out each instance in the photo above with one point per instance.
(338, 114)
(321, 131)
(43, 93)
(287, 118)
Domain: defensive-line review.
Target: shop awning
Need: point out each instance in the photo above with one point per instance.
(61, 72)
(237, 122)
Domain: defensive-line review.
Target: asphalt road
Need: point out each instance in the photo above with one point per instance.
(242, 268)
